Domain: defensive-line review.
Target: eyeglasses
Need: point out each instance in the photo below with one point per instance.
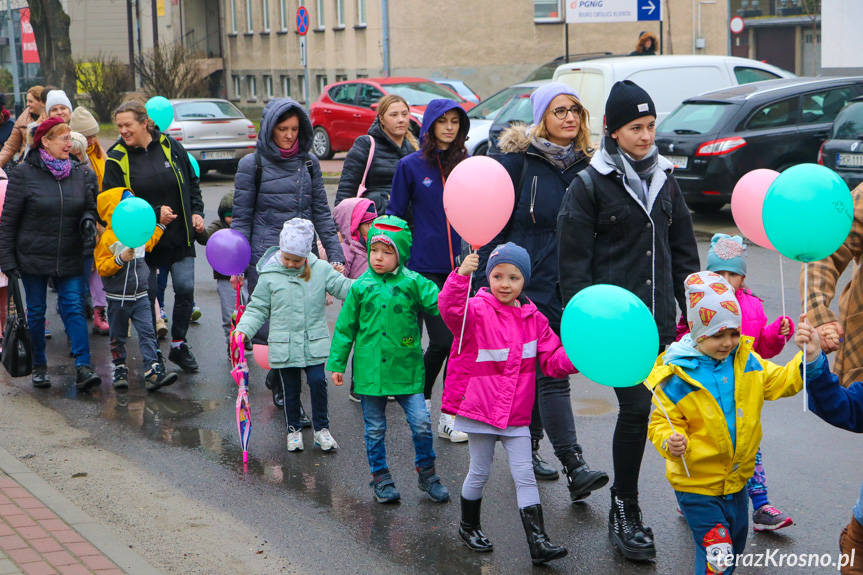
(561, 113)
(64, 139)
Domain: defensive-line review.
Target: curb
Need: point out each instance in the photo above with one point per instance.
(331, 179)
(93, 531)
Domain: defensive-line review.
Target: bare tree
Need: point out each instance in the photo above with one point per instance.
(51, 28)
(172, 72)
(813, 11)
(106, 79)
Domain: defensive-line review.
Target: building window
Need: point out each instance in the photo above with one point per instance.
(321, 21)
(268, 87)
(361, 12)
(286, 86)
(322, 82)
(340, 13)
(237, 87)
(249, 28)
(341, 77)
(547, 11)
(302, 94)
(253, 88)
(233, 17)
(265, 10)
(283, 15)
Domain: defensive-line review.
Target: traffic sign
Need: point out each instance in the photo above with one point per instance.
(736, 25)
(303, 54)
(302, 20)
(593, 11)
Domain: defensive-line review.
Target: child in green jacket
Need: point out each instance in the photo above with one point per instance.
(379, 320)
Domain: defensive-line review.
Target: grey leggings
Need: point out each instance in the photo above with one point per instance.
(520, 467)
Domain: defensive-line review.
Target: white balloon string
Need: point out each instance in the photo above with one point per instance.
(782, 282)
(805, 306)
(464, 317)
(671, 425)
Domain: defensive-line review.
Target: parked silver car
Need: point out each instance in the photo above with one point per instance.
(214, 131)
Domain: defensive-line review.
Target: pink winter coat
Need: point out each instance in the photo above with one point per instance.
(494, 378)
(768, 342)
(348, 215)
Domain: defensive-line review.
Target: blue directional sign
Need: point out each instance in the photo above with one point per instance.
(649, 10)
(302, 20)
(596, 11)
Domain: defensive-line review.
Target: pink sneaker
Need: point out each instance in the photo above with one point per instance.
(768, 518)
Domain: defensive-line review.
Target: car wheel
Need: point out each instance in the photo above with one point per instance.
(321, 144)
(705, 207)
(204, 171)
(481, 150)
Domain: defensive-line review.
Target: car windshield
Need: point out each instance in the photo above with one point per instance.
(488, 108)
(544, 72)
(518, 109)
(849, 122)
(694, 118)
(206, 110)
(421, 93)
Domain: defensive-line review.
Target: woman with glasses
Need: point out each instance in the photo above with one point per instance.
(542, 160)
(49, 212)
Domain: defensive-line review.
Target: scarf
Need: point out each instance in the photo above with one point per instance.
(292, 151)
(97, 161)
(561, 156)
(634, 171)
(60, 169)
(4, 116)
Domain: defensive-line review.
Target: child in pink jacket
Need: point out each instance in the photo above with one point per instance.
(727, 257)
(490, 385)
(354, 217)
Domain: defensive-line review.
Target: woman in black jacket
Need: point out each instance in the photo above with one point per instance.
(542, 161)
(393, 141)
(624, 222)
(50, 210)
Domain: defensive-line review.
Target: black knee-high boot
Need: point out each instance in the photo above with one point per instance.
(469, 528)
(541, 549)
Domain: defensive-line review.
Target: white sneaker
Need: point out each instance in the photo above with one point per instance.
(445, 429)
(325, 441)
(295, 440)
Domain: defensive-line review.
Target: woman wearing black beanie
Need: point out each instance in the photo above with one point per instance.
(624, 222)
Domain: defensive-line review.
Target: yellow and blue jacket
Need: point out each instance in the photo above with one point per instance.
(717, 465)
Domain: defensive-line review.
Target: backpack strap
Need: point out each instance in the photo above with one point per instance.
(259, 173)
(588, 185)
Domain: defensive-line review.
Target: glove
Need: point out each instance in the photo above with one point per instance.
(88, 231)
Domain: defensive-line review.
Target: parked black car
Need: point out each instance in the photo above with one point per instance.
(717, 137)
(843, 152)
(517, 110)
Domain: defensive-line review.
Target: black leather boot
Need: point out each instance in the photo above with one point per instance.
(580, 478)
(541, 549)
(541, 469)
(627, 532)
(469, 528)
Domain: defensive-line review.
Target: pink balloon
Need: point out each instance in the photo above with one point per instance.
(478, 199)
(3, 184)
(262, 355)
(747, 201)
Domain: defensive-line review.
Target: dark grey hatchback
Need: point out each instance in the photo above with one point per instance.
(715, 138)
(843, 152)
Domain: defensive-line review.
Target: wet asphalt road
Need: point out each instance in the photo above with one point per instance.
(316, 509)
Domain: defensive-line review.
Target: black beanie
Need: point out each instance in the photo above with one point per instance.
(627, 102)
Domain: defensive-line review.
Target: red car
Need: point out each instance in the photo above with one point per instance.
(347, 109)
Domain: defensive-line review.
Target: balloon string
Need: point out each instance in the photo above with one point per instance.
(464, 317)
(782, 281)
(805, 306)
(671, 425)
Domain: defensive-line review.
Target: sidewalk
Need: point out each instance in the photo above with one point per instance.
(43, 533)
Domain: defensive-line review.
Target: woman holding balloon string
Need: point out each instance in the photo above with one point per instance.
(624, 222)
(157, 169)
(417, 195)
(541, 161)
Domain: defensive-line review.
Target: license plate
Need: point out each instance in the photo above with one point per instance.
(680, 162)
(217, 155)
(849, 160)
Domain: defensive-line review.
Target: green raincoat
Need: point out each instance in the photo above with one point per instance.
(379, 319)
(299, 335)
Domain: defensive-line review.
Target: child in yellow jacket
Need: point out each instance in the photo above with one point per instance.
(125, 277)
(711, 386)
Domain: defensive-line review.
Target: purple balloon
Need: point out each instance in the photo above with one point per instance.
(229, 252)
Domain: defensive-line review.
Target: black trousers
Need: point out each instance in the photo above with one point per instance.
(440, 340)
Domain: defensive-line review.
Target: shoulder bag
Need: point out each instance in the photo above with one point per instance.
(17, 354)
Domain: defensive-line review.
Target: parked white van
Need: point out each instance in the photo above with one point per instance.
(668, 79)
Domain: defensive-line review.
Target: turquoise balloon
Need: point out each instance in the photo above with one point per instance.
(160, 111)
(134, 222)
(195, 165)
(610, 336)
(808, 212)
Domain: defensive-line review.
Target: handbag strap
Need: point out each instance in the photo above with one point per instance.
(15, 297)
(362, 187)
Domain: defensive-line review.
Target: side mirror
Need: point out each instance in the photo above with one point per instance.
(374, 106)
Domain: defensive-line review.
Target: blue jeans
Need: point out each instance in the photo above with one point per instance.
(291, 381)
(139, 312)
(375, 418)
(858, 509)
(70, 302)
(714, 521)
(183, 276)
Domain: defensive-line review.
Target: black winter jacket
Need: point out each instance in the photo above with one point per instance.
(40, 230)
(379, 181)
(611, 239)
(534, 232)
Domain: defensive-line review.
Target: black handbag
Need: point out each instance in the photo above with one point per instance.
(17, 346)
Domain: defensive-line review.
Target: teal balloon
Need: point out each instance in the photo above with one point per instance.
(808, 212)
(610, 336)
(134, 222)
(195, 165)
(160, 111)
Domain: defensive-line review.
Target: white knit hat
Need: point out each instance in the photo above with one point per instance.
(57, 98)
(711, 305)
(297, 237)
